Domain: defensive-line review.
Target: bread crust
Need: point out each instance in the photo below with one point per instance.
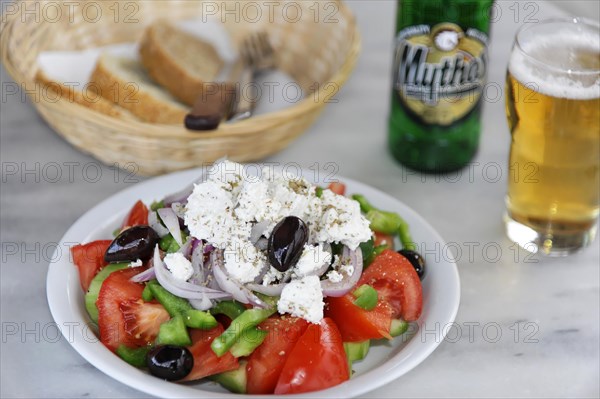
(164, 66)
(90, 99)
(133, 97)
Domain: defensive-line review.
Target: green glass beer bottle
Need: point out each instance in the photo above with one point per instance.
(439, 73)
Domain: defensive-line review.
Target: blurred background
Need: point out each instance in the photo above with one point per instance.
(587, 8)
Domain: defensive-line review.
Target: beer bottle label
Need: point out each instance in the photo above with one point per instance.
(439, 71)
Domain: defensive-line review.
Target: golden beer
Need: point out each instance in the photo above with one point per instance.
(553, 112)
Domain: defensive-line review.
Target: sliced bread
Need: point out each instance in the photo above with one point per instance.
(179, 61)
(88, 97)
(124, 81)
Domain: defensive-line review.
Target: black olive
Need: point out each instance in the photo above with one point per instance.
(416, 260)
(136, 242)
(170, 362)
(286, 243)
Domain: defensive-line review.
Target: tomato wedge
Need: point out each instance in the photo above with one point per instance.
(357, 324)
(206, 363)
(396, 282)
(384, 239)
(138, 215)
(89, 259)
(115, 290)
(267, 361)
(143, 320)
(337, 188)
(318, 361)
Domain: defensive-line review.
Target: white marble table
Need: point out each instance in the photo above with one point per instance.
(527, 326)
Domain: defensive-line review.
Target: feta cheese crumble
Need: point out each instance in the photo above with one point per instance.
(272, 276)
(243, 261)
(137, 263)
(313, 258)
(227, 174)
(334, 276)
(179, 266)
(342, 221)
(340, 270)
(303, 298)
(224, 209)
(209, 214)
(253, 201)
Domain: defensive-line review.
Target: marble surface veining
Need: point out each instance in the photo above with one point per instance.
(527, 326)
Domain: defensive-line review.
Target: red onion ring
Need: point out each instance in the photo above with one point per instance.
(198, 263)
(270, 290)
(186, 248)
(211, 281)
(156, 225)
(229, 284)
(171, 220)
(353, 258)
(182, 289)
(201, 304)
(196, 242)
(179, 209)
(146, 275)
(261, 274)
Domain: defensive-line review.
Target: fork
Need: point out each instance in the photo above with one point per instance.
(258, 55)
(227, 100)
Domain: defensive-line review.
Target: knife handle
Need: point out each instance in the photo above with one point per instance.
(211, 107)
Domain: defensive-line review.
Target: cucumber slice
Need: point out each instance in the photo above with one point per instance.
(356, 351)
(92, 295)
(398, 327)
(234, 380)
(134, 356)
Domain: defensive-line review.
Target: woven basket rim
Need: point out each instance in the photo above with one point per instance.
(139, 128)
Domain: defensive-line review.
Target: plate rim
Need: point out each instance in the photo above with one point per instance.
(103, 359)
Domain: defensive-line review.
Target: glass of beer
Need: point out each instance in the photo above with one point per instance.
(553, 112)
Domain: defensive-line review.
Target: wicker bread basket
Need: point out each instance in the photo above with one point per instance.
(317, 48)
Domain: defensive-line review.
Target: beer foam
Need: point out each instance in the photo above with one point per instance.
(554, 50)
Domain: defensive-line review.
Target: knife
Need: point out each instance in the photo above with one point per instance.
(217, 101)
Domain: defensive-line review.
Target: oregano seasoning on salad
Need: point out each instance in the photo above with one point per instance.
(267, 284)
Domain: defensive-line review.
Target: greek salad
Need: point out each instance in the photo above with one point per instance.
(265, 284)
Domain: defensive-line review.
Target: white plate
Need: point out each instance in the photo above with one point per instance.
(384, 363)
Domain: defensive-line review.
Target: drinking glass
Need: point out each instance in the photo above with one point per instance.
(553, 112)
